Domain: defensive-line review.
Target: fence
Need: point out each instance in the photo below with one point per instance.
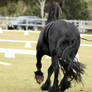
(10, 53)
(82, 25)
(36, 23)
(22, 22)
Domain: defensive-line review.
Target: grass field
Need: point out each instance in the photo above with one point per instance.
(19, 77)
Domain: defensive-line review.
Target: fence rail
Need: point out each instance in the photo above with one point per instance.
(82, 25)
(11, 53)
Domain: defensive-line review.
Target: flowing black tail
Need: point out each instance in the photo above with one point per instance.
(86, 39)
(71, 67)
(73, 73)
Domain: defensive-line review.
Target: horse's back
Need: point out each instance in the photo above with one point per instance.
(64, 34)
(54, 32)
(62, 28)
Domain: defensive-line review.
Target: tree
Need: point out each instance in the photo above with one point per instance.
(5, 2)
(21, 7)
(11, 8)
(41, 5)
(35, 5)
(29, 4)
(75, 9)
(71, 9)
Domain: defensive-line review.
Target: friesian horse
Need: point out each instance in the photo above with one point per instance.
(60, 40)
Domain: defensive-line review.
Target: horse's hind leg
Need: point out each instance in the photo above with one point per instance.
(65, 83)
(38, 73)
(46, 85)
(55, 87)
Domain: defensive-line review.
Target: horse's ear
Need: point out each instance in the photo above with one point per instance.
(61, 4)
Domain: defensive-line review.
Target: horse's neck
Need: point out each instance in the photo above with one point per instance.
(54, 13)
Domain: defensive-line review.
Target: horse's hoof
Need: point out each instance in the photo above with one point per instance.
(45, 86)
(54, 89)
(39, 77)
(60, 90)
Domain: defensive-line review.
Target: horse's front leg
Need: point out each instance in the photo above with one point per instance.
(55, 87)
(38, 74)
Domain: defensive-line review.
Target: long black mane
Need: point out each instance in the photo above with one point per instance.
(55, 12)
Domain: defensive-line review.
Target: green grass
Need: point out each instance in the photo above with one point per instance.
(19, 36)
(20, 76)
(14, 45)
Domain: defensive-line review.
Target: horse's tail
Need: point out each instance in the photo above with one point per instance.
(71, 67)
(86, 39)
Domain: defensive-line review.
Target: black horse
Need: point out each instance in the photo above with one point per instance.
(59, 40)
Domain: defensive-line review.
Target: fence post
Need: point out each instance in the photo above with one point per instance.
(1, 31)
(7, 19)
(35, 28)
(28, 44)
(26, 24)
(26, 33)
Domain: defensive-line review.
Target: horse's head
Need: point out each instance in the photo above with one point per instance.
(54, 13)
